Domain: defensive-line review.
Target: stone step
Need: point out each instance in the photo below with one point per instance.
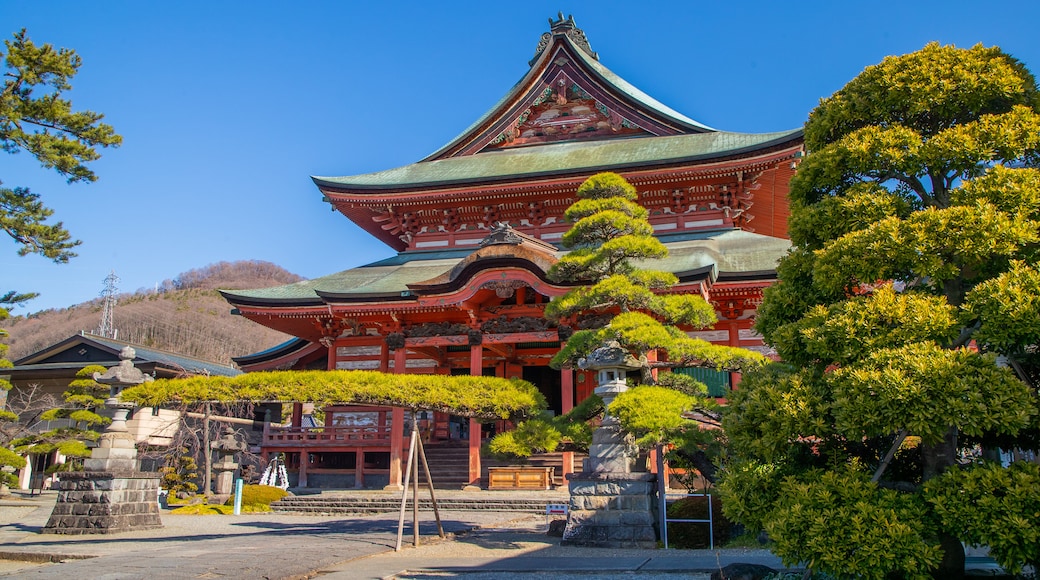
(306, 504)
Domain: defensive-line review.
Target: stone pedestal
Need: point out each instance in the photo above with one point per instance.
(611, 510)
(100, 502)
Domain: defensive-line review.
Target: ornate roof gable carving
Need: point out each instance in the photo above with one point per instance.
(565, 111)
(567, 95)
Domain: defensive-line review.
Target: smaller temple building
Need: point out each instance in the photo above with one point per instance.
(39, 379)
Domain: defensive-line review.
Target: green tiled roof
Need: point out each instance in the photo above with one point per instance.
(634, 93)
(562, 158)
(726, 252)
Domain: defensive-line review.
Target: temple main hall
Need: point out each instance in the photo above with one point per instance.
(471, 231)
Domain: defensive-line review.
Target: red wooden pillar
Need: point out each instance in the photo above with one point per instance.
(331, 358)
(474, 452)
(476, 369)
(568, 464)
(396, 417)
(396, 448)
(400, 361)
(297, 415)
(566, 389)
(384, 358)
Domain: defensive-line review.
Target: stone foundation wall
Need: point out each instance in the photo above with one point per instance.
(612, 510)
(105, 503)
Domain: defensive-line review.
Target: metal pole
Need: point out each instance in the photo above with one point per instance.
(404, 494)
(662, 503)
(208, 453)
(711, 522)
(429, 481)
(415, 486)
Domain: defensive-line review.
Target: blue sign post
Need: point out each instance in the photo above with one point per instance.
(238, 497)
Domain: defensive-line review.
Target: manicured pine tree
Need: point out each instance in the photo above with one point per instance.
(83, 399)
(612, 249)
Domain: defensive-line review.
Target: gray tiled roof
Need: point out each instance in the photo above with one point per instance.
(192, 365)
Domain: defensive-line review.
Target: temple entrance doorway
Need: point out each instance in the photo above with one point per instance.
(548, 382)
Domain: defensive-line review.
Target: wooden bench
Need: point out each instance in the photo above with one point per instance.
(520, 477)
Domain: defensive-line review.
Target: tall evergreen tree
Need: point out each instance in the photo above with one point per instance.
(35, 118)
(907, 317)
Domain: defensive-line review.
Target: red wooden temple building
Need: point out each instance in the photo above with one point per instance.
(477, 224)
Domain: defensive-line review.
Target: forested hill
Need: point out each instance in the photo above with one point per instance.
(185, 315)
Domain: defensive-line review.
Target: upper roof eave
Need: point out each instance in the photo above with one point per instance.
(560, 159)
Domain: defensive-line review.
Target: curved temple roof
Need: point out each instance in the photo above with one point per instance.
(642, 131)
(733, 254)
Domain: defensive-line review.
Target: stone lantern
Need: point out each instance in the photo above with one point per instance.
(111, 494)
(227, 446)
(611, 507)
(610, 451)
(117, 449)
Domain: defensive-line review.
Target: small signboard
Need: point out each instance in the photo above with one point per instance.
(555, 509)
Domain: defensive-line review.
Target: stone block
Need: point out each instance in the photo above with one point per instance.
(634, 518)
(608, 488)
(635, 502)
(636, 488)
(582, 487)
(645, 534)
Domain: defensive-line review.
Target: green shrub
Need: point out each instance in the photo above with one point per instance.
(259, 495)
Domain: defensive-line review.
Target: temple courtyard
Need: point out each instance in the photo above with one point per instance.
(480, 544)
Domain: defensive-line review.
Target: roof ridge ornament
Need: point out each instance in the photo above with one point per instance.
(501, 233)
(564, 27)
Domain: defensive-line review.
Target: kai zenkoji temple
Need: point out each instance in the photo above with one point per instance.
(477, 224)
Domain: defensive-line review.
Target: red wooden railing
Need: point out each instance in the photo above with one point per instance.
(330, 436)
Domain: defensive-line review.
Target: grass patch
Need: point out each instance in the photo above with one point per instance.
(204, 509)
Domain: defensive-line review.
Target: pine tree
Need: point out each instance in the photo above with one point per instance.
(83, 398)
(611, 242)
(35, 118)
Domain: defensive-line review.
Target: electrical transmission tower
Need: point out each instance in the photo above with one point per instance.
(106, 328)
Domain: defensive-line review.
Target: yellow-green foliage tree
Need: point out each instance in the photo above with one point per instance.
(915, 219)
(478, 397)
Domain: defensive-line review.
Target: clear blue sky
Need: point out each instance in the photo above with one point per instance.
(227, 108)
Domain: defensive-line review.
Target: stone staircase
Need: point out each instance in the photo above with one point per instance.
(483, 501)
(449, 466)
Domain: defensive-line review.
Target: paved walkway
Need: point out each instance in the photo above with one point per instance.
(482, 545)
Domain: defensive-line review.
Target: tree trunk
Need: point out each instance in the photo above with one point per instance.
(937, 458)
(699, 459)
